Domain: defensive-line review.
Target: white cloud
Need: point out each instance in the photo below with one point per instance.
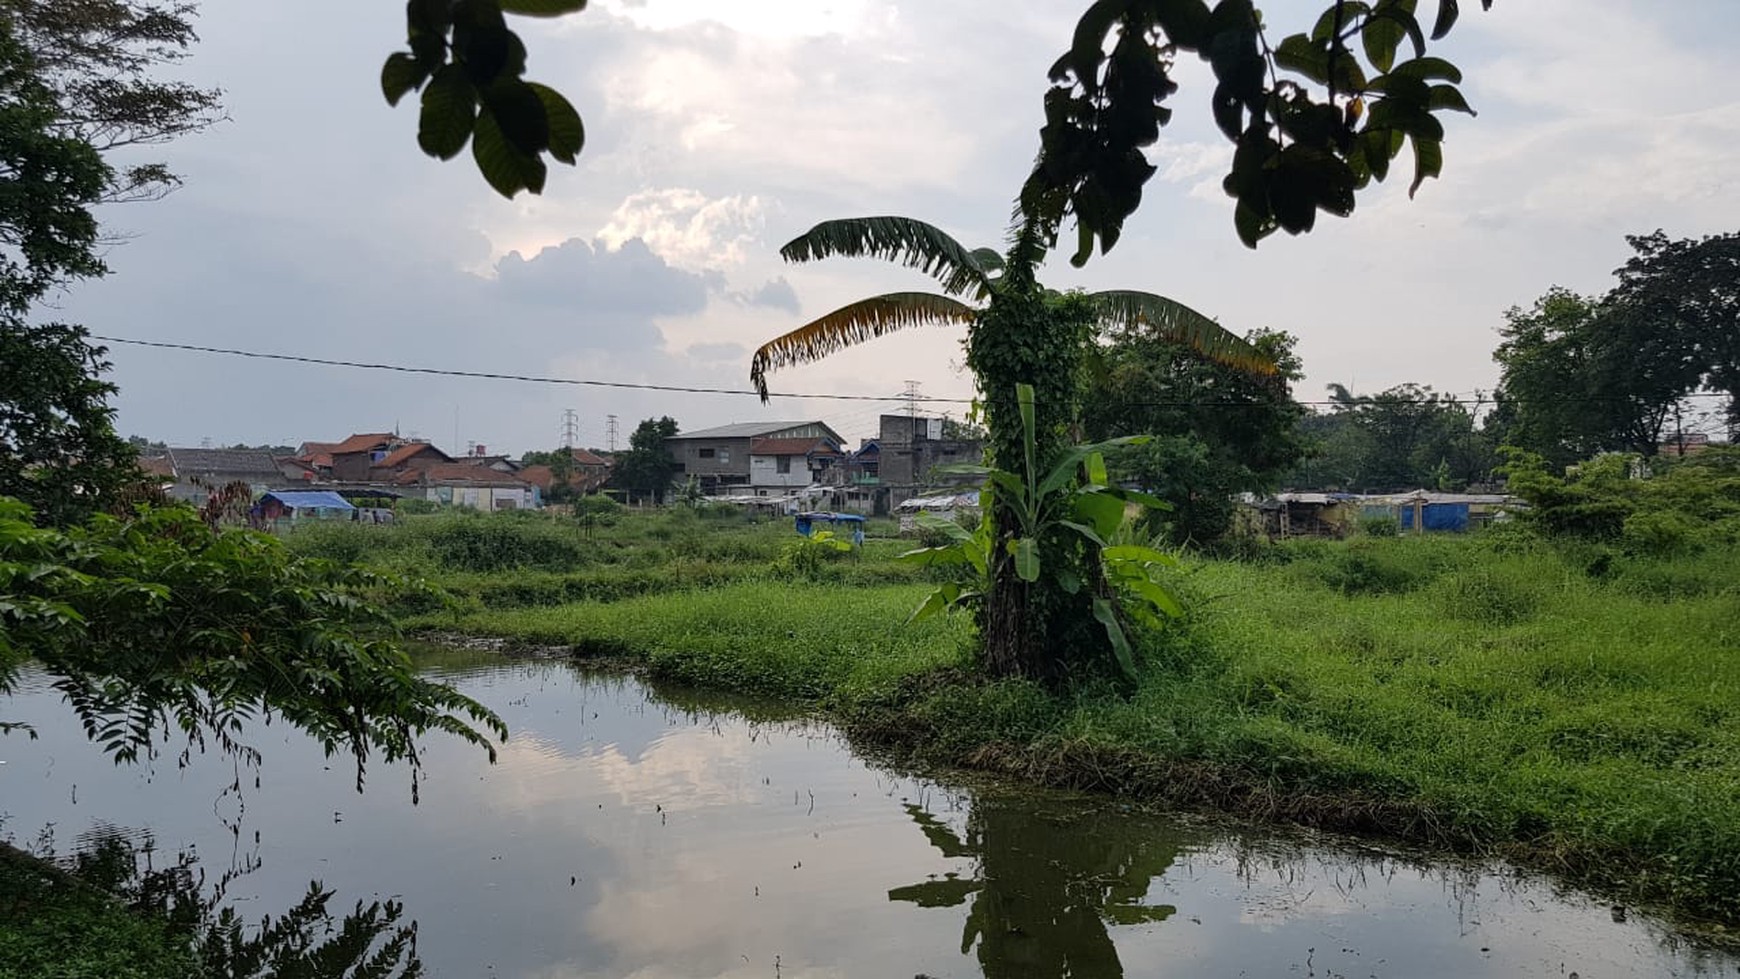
(687, 228)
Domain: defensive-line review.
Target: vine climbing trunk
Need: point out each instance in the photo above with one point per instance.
(1027, 335)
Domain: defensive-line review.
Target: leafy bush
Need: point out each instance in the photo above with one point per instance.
(804, 556)
(1659, 533)
(597, 510)
(411, 506)
(491, 543)
(1380, 526)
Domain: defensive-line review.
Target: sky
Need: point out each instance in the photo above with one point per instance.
(310, 223)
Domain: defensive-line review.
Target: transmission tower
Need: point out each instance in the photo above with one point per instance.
(610, 432)
(912, 399)
(570, 428)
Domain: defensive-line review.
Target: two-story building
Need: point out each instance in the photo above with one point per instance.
(910, 451)
(720, 459)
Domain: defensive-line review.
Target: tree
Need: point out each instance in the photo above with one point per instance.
(1583, 375)
(58, 449)
(159, 622)
(561, 463)
(1690, 290)
(1022, 334)
(1218, 431)
(96, 58)
(1304, 142)
(647, 468)
(1402, 438)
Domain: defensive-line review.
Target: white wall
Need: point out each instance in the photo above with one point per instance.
(764, 472)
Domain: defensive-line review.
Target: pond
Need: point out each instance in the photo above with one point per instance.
(632, 832)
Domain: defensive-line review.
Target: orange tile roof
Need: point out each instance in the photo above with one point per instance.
(366, 442)
(790, 447)
(406, 452)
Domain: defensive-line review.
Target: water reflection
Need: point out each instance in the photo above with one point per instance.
(641, 833)
(209, 935)
(1048, 883)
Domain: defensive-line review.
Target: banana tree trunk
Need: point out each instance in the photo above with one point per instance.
(1025, 336)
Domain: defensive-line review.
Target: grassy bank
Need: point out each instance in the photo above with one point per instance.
(1573, 707)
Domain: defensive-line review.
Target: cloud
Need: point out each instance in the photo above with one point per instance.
(687, 228)
(774, 294)
(718, 351)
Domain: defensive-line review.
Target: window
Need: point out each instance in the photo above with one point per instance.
(783, 465)
(724, 456)
(704, 453)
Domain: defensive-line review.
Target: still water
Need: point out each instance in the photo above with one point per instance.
(633, 833)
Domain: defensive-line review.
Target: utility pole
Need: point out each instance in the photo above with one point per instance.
(610, 432)
(570, 428)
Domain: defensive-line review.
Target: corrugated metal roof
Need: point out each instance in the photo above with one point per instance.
(229, 462)
(738, 430)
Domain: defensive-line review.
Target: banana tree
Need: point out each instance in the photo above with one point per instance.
(1018, 333)
(1076, 500)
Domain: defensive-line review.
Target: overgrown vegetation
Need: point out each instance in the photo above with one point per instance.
(1566, 701)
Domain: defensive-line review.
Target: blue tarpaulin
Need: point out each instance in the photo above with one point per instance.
(310, 500)
(1437, 516)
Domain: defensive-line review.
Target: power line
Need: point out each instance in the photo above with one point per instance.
(909, 397)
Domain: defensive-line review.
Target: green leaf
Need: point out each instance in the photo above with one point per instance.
(449, 113)
(1026, 552)
(1448, 97)
(401, 74)
(1095, 467)
(1148, 500)
(1428, 161)
(1447, 13)
(1135, 553)
(930, 521)
(1108, 617)
(932, 604)
(507, 169)
(567, 135)
(1069, 581)
(542, 8)
(519, 112)
(1024, 396)
(1428, 69)
(1156, 595)
(1084, 530)
(1102, 511)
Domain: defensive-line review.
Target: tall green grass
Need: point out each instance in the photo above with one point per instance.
(1575, 706)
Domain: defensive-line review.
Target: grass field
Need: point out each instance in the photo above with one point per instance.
(1572, 706)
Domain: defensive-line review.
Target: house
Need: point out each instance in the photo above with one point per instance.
(587, 474)
(719, 458)
(779, 465)
(196, 472)
(463, 484)
(404, 457)
(910, 450)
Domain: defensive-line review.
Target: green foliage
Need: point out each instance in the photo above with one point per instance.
(108, 912)
(469, 66)
(645, 470)
(597, 510)
(804, 557)
(1311, 122)
(1380, 526)
(58, 448)
(412, 506)
(95, 57)
(1063, 520)
(1481, 691)
(158, 623)
(1407, 437)
(1217, 431)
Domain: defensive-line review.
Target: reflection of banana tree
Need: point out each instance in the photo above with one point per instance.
(1047, 887)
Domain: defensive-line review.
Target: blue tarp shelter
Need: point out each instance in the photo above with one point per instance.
(805, 523)
(308, 500)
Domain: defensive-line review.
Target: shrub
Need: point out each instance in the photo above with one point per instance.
(1380, 526)
(1659, 533)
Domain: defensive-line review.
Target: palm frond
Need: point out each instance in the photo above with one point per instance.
(911, 242)
(852, 324)
(1169, 319)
